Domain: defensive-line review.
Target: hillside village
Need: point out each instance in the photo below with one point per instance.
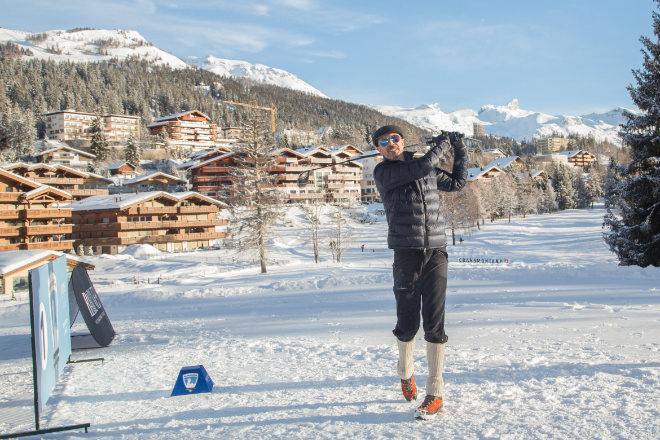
(135, 164)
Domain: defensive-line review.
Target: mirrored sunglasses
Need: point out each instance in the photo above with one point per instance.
(386, 140)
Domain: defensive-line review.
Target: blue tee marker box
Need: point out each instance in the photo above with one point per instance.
(192, 380)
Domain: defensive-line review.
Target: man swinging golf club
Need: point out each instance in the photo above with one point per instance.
(409, 189)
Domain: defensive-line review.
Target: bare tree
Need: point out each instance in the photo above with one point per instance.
(341, 239)
(254, 198)
(313, 216)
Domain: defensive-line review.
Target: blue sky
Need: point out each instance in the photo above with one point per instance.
(558, 57)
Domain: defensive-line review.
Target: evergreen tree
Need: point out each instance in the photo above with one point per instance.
(99, 144)
(132, 152)
(633, 205)
(562, 183)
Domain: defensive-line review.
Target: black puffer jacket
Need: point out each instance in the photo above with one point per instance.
(409, 192)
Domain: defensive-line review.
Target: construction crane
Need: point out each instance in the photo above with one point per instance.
(272, 109)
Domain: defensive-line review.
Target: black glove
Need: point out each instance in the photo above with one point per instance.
(456, 138)
(437, 140)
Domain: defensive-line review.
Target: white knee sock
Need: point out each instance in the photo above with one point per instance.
(435, 354)
(405, 364)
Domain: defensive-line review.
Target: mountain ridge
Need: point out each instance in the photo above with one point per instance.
(509, 120)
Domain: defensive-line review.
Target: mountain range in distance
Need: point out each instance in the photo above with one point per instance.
(95, 45)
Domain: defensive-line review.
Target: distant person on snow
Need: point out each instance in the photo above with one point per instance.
(409, 189)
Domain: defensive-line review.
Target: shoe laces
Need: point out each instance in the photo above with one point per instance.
(428, 400)
(407, 384)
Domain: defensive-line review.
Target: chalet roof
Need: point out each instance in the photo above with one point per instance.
(117, 165)
(20, 179)
(477, 173)
(211, 160)
(287, 150)
(63, 147)
(178, 115)
(504, 162)
(46, 189)
(199, 156)
(573, 153)
(313, 149)
(147, 177)
(341, 148)
(14, 261)
(121, 201)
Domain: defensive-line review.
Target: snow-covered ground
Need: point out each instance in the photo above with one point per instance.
(556, 343)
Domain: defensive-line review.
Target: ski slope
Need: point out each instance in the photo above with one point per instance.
(558, 342)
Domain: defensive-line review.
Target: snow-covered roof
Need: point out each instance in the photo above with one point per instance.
(11, 261)
(503, 162)
(65, 147)
(178, 115)
(477, 173)
(120, 201)
(117, 165)
(46, 188)
(213, 159)
(146, 177)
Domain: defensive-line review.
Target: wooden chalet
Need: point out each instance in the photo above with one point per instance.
(168, 222)
(212, 176)
(15, 265)
(188, 130)
(483, 174)
(290, 164)
(32, 215)
(78, 183)
(578, 158)
(57, 153)
(157, 181)
(123, 170)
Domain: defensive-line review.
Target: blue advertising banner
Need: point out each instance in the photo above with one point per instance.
(52, 332)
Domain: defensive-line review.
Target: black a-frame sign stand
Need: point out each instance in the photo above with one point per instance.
(37, 430)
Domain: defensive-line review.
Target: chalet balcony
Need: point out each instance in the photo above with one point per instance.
(63, 245)
(45, 213)
(58, 181)
(10, 196)
(198, 209)
(12, 247)
(48, 229)
(151, 239)
(9, 214)
(157, 210)
(147, 226)
(10, 231)
(88, 192)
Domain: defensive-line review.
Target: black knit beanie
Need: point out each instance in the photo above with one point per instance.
(385, 130)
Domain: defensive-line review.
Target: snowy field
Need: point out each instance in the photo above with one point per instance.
(558, 342)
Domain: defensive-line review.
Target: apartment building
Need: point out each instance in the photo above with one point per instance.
(33, 216)
(67, 125)
(168, 222)
(552, 144)
(191, 130)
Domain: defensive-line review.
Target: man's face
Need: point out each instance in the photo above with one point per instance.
(391, 146)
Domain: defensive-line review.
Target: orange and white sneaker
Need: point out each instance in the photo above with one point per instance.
(431, 406)
(409, 388)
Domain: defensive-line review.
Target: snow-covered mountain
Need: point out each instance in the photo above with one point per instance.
(511, 121)
(89, 45)
(257, 72)
(94, 45)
